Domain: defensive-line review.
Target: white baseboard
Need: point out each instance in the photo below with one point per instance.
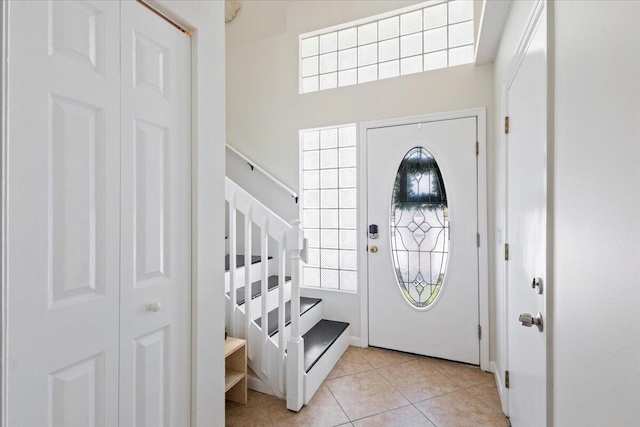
(502, 392)
(354, 341)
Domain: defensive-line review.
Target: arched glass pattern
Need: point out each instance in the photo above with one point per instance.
(419, 227)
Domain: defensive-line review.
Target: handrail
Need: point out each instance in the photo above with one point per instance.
(254, 166)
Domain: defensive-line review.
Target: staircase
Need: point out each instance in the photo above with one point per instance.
(291, 347)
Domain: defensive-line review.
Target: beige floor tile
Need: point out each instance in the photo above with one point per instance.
(418, 380)
(322, 411)
(460, 409)
(379, 358)
(256, 413)
(351, 362)
(488, 395)
(364, 394)
(407, 416)
(463, 375)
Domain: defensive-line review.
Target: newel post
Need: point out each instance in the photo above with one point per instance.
(295, 346)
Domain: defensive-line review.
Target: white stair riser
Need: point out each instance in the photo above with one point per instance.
(256, 272)
(307, 321)
(314, 378)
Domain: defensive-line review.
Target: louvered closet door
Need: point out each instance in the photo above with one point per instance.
(156, 222)
(63, 213)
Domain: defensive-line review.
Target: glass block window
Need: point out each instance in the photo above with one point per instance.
(435, 36)
(329, 214)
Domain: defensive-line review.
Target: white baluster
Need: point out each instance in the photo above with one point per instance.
(232, 267)
(282, 254)
(247, 278)
(264, 279)
(295, 347)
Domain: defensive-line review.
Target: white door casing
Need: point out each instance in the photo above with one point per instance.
(155, 322)
(526, 216)
(63, 214)
(448, 328)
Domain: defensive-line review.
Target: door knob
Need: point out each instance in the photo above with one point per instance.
(155, 306)
(528, 320)
(373, 249)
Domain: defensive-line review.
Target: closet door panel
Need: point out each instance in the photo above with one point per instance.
(63, 213)
(155, 327)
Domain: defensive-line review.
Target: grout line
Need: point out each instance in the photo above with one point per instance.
(338, 402)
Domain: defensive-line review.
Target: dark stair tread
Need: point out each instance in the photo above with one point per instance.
(240, 261)
(306, 304)
(319, 339)
(256, 288)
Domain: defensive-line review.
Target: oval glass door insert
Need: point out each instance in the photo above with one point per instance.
(419, 228)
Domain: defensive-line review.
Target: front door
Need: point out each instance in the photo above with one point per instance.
(527, 234)
(423, 256)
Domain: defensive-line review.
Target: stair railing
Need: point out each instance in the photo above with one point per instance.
(290, 239)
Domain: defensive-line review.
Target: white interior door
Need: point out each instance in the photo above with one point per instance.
(527, 233)
(423, 279)
(63, 213)
(155, 327)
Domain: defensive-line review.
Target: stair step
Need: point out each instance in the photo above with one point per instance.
(256, 289)
(318, 340)
(240, 261)
(306, 304)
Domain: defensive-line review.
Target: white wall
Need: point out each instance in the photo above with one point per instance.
(596, 354)
(265, 111)
(518, 17)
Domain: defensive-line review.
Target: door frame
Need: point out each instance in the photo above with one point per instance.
(537, 13)
(480, 113)
(207, 190)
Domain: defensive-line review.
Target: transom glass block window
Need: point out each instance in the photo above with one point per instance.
(329, 215)
(423, 38)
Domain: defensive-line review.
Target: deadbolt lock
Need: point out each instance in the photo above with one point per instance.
(537, 285)
(373, 249)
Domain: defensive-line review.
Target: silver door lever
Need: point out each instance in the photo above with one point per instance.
(528, 320)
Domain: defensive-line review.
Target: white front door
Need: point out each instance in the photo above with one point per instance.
(527, 233)
(98, 217)
(155, 331)
(423, 265)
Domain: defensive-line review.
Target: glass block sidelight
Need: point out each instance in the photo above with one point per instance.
(329, 204)
(419, 228)
(427, 38)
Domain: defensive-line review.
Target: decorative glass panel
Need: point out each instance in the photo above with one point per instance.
(419, 227)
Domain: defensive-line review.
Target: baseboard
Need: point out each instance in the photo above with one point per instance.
(355, 341)
(502, 392)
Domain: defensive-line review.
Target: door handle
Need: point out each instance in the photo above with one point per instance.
(373, 249)
(155, 306)
(528, 320)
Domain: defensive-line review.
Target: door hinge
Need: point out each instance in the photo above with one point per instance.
(506, 379)
(506, 252)
(478, 239)
(506, 124)
(477, 148)
(479, 332)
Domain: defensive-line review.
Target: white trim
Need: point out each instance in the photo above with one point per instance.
(208, 128)
(483, 276)
(355, 341)
(255, 166)
(4, 139)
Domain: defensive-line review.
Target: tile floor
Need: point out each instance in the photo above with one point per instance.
(373, 387)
